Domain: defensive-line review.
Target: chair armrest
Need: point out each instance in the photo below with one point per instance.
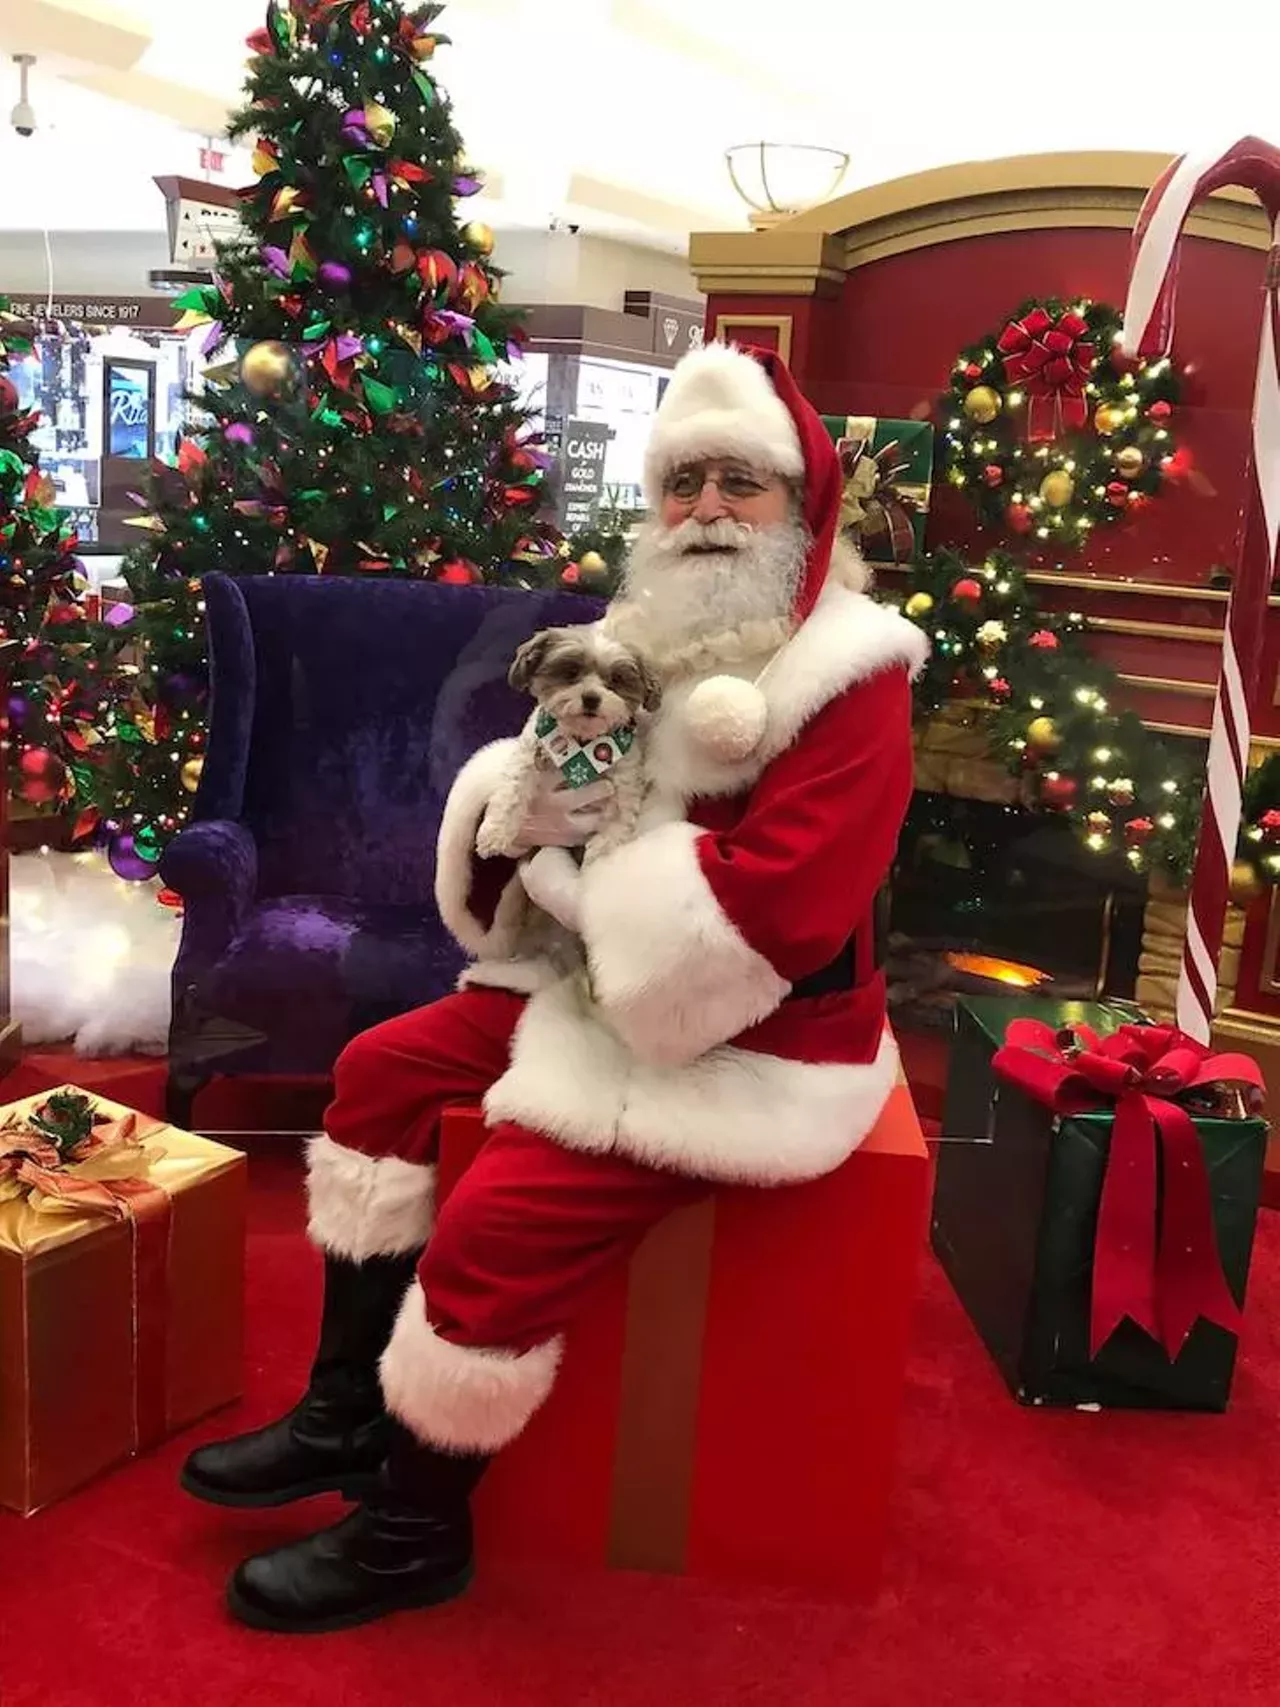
(213, 865)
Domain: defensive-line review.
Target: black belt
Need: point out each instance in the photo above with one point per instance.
(842, 973)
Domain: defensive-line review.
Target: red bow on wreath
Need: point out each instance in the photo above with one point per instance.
(1155, 1259)
(1051, 361)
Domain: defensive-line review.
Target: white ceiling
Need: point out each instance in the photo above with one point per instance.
(616, 113)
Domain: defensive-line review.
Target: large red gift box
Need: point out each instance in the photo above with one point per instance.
(728, 1404)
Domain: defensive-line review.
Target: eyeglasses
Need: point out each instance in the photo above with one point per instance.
(735, 485)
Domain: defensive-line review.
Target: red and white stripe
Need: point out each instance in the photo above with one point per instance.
(1254, 165)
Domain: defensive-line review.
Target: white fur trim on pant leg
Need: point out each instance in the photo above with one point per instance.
(461, 1398)
(670, 970)
(366, 1206)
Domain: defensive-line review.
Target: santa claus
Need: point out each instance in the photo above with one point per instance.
(731, 1026)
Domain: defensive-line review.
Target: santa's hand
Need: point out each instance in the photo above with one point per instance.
(560, 817)
(553, 881)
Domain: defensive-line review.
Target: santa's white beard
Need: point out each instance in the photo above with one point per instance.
(699, 579)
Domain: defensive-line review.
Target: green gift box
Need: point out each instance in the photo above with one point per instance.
(1015, 1224)
(888, 473)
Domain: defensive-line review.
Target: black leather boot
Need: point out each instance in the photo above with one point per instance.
(408, 1545)
(336, 1438)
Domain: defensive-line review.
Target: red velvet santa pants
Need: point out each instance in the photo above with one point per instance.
(531, 1224)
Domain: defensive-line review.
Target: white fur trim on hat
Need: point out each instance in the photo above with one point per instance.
(721, 403)
(456, 1397)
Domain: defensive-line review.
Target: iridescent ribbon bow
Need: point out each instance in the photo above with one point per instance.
(873, 502)
(1155, 1258)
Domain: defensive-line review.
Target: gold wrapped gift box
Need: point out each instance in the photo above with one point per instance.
(121, 1296)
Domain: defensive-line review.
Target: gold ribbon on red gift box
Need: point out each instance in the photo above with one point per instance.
(104, 1175)
(1155, 1258)
(121, 1287)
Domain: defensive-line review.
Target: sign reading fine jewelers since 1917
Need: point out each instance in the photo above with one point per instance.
(582, 457)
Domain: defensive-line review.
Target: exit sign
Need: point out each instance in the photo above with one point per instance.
(212, 160)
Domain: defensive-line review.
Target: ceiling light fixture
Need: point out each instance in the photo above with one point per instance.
(778, 180)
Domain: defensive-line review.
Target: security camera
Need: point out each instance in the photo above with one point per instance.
(23, 116)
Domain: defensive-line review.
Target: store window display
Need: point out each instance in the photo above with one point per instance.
(110, 398)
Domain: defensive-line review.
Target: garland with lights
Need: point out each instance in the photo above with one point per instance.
(1050, 429)
(1050, 719)
(1047, 698)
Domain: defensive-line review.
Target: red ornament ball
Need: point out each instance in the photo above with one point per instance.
(972, 371)
(999, 688)
(1160, 411)
(1044, 640)
(1019, 518)
(8, 395)
(993, 474)
(967, 591)
(1117, 494)
(458, 573)
(1269, 824)
(1137, 830)
(1057, 792)
(43, 776)
(571, 574)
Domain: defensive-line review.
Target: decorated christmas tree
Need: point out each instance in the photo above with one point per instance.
(57, 660)
(357, 421)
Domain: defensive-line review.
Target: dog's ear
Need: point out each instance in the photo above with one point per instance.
(528, 661)
(651, 682)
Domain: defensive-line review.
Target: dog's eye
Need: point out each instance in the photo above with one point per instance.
(567, 669)
(624, 679)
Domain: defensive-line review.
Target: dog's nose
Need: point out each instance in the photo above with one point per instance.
(590, 702)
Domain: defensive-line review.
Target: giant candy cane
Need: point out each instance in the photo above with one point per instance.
(1148, 320)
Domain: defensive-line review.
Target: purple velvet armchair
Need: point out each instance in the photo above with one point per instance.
(341, 713)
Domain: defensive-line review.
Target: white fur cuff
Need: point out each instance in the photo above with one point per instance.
(365, 1206)
(461, 1398)
(670, 970)
(553, 881)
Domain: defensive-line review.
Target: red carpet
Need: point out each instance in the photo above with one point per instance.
(1077, 1560)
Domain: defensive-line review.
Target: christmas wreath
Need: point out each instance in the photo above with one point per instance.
(1051, 429)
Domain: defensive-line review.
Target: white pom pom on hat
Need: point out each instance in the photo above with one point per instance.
(720, 402)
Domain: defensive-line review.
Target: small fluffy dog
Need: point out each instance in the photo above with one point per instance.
(593, 696)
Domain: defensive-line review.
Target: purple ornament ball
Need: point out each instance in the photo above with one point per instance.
(17, 710)
(336, 275)
(127, 862)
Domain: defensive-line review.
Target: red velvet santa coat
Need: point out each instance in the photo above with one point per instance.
(694, 1054)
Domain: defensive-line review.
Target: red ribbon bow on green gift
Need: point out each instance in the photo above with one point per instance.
(1051, 360)
(1155, 1258)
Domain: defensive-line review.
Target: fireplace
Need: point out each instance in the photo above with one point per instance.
(991, 898)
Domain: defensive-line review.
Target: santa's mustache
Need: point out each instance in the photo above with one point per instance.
(691, 537)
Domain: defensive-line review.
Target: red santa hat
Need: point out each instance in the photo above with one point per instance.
(744, 403)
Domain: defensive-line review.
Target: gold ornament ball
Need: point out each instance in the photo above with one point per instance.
(1246, 885)
(191, 774)
(1131, 461)
(1042, 734)
(982, 404)
(1057, 489)
(591, 563)
(267, 368)
(919, 604)
(1108, 418)
(479, 236)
